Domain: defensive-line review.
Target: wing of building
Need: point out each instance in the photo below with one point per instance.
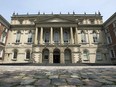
(56, 38)
(110, 33)
(4, 27)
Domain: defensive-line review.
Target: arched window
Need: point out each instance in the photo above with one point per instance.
(15, 54)
(85, 55)
(45, 54)
(83, 37)
(98, 55)
(56, 36)
(29, 37)
(67, 56)
(28, 54)
(18, 37)
(95, 37)
(66, 36)
(46, 35)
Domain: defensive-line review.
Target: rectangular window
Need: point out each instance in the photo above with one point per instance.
(85, 56)
(83, 38)
(46, 35)
(27, 55)
(98, 56)
(29, 40)
(115, 32)
(56, 36)
(66, 37)
(112, 54)
(95, 39)
(109, 40)
(18, 37)
(3, 37)
(15, 54)
(114, 24)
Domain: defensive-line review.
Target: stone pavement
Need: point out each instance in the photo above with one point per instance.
(57, 76)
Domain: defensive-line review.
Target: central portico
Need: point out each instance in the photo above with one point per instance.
(56, 38)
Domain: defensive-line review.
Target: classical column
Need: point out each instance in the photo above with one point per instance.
(71, 33)
(36, 34)
(76, 40)
(89, 38)
(51, 35)
(61, 32)
(51, 57)
(62, 57)
(41, 36)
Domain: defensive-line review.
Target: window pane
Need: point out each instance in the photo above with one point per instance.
(98, 55)
(83, 37)
(30, 37)
(18, 37)
(28, 55)
(66, 36)
(56, 36)
(85, 56)
(95, 37)
(15, 55)
(47, 36)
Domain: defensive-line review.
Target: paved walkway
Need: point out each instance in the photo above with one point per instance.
(57, 76)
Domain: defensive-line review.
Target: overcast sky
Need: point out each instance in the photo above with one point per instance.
(106, 7)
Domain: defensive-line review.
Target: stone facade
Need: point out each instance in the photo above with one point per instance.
(4, 27)
(56, 38)
(110, 33)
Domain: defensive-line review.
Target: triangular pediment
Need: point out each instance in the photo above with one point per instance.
(55, 20)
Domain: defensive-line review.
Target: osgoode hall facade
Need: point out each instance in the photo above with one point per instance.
(56, 38)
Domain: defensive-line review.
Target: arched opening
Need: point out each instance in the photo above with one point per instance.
(45, 55)
(56, 56)
(67, 56)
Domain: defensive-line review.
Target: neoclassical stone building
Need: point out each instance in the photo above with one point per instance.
(56, 38)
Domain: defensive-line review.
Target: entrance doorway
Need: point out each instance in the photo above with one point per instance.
(56, 56)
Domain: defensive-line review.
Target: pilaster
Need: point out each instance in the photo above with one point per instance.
(51, 57)
(36, 34)
(62, 57)
(76, 41)
(71, 33)
(41, 36)
(61, 32)
(51, 35)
